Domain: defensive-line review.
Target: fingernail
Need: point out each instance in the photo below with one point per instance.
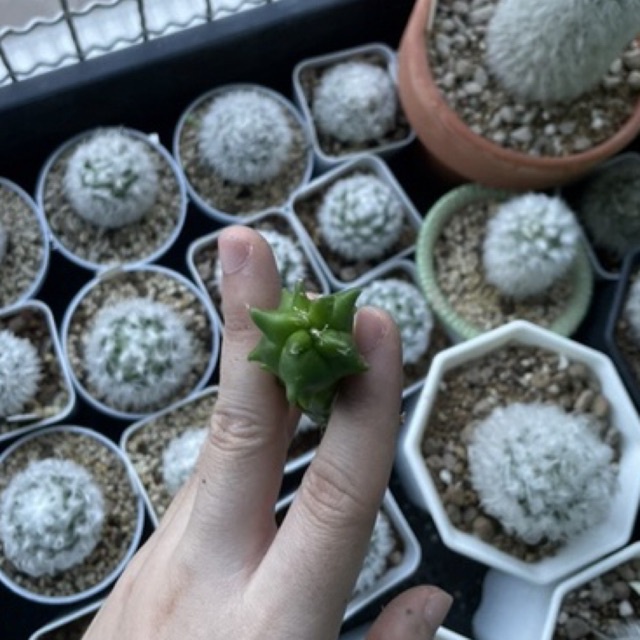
(234, 253)
(372, 328)
(437, 607)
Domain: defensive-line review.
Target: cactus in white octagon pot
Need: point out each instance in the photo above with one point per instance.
(245, 137)
(20, 373)
(610, 207)
(138, 353)
(355, 102)
(51, 517)
(543, 473)
(360, 217)
(111, 179)
(549, 51)
(180, 456)
(290, 260)
(530, 243)
(407, 306)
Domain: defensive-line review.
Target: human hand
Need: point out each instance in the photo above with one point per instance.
(217, 567)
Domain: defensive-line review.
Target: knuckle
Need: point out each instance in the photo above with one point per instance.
(237, 431)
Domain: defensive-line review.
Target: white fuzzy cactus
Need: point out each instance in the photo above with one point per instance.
(610, 206)
(138, 352)
(360, 217)
(627, 631)
(3, 243)
(245, 137)
(180, 456)
(551, 51)
(543, 473)
(51, 517)
(289, 257)
(355, 102)
(20, 373)
(408, 308)
(381, 544)
(111, 179)
(530, 244)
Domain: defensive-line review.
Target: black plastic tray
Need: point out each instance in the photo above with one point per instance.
(147, 87)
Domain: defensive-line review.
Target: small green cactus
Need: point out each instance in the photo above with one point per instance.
(308, 344)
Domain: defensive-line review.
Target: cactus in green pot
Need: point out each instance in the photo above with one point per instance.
(308, 344)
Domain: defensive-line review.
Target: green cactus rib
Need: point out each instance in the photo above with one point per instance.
(308, 344)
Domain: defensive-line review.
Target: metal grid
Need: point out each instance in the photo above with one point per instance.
(77, 32)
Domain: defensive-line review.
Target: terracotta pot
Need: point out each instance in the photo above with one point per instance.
(455, 147)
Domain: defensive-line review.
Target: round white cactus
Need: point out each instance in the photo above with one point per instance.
(381, 544)
(542, 472)
(3, 243)
(530, 243)
(20, 373)
(137, 353)
(245, 137)
(290, 260)
(360, 217)
(610, 207)
(180, 456)
(355, 102)
(407, 306)
(550, 51)
(51, 517)
(111, 179)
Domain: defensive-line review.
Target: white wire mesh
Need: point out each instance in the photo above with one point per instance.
(69, 31)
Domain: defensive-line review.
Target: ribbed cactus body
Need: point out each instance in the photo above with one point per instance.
(308, 344)
(610, 207)
(180, 456)
(138, 353)
(408, 308)
(530, 243)
(355, 102)
(381, 544)
(550, 51)
(4, 236)
(246, 137)
(360, 217)
(542, 472)
(51, 517)
(20, 373)
(111, 179)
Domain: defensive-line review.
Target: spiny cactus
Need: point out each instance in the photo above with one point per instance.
(111, 179)
(610, 206)
(138, 352)
(376, 561)
(308, 344)
(550, 51)
(51, 517)
(360, 217)
(245, 137)
(530, 243)
(355, 102)
(290, 260)
(180, 456)
(3, 243)
(632, 309)
(542, 472)
(20, 373)
(407, 306)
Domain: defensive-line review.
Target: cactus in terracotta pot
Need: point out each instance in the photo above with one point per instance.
(549, 51)
(308, 344)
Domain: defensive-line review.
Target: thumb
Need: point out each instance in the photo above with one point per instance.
(415, 614)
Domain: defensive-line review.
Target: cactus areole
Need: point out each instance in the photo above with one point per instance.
(308, 344)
